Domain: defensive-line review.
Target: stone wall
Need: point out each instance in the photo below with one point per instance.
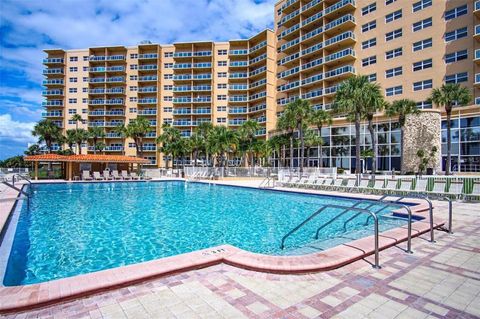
(422, 131)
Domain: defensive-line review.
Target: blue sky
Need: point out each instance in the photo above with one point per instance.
(28, 27)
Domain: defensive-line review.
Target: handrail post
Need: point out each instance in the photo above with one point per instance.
(450, 213)
(377, 257)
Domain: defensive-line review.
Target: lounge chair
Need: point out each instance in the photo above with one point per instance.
(405, 186)
(475, 194)
(125, 175)
(349, 185)
(301, 181)
(134, 175)
(86, 176)
(106, 175)
(327, 183)
(97, 176)
(391, 186)
(337, 184)
(377, 185)
(145, 177)
(420, 186)
(455, 189)
(115, 175)
(438, 188)
(364, 182)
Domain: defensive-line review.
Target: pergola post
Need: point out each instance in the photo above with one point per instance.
(36, 170)
(69, 168)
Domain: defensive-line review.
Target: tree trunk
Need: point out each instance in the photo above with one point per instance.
(140, 146)
(320, 151)
(449, 141)
(291, 151)
(357, 144)
(283, 156)
(302, 146)
(195, 158)
(94, 146)
(374, 146)
(308, 156)
(402, 153)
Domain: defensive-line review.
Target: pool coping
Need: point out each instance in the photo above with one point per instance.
(17, 298)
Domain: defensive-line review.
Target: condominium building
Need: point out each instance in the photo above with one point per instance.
(408, 47)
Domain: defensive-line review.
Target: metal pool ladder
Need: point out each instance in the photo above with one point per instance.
(266, 183)
(345, 209)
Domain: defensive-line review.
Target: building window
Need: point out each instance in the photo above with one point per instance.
(132, 110)
(85, 90)
(168, 109)
(221, 97)
(456, 34)
(222, 52)
(387, 2)
(457, 78)
(396, 90)
(72, 101)
(370, 60)
(133, 66)
(422, 65)
(168, 87)
(168, 76)
(133, 56)
(222, 74)
(370, 8)
(85, 68)
(85, 58)
(394, 72)
(393, 16)
(424, 105)
(417, 26)
(133, 88)
(168, 98)
(369, 43)
(222, 86)
(73, 69)
(73, 80)
(221, 120)
(73, 58)
(72, 90)
(393, 53)
(420, 5)
(168, 54)
(456, 12)
(72, 111)
(372, 77)
(422, 85)
(84, 111)
(221, 108)
(222, 63)
(85, 100)
(168, 65)
(133, 77)
(369, 26)
(85, 79)
(420, 45)
(393, 35)
(133, 99)
(456, 56)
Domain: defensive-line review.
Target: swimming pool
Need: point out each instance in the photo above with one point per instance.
(72, 229)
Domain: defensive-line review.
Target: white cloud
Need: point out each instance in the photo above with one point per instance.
(16, 131)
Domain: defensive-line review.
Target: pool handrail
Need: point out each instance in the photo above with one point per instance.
(346, 209)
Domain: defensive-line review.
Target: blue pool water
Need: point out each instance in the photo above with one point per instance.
(71, 229)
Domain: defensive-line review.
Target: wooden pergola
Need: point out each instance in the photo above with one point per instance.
(71, 160)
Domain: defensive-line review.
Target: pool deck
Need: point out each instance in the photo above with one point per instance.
(439, 279)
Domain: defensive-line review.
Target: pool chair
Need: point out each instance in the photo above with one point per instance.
(125, 175)
(145, 177)
(327, 183)
(420, 186)
(455, 190)
(377, 185)
(86, 176)
(405, 186)
(306, 181)
(106, 175)
(115, 175)
(292, 181)
(318, 182)
(390, 186)
(301, 181)
(337, 183)
(363, 185)
(438, 188)
(474, 195)
(134, 176)
(97, 176)
(348, 186)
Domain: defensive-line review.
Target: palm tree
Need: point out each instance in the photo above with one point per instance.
(319, 119)
(204, 130)
(311, 139)
(77, 118)
(81, 136)
(121, 130)
(47, 132)
(375, 102)
(277, 143)
(136, 130)
(196, 143)
(167, 140)
(95, 133)
(70, 138)
(264, 150)
(352, 98)
(220, 140)
(301, 112)
(402, 108)
(449, 95)
(247, 137)
(286, 123)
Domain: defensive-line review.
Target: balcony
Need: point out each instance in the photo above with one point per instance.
(477, 56)
(238, 64)
(476, 34)
(205, 65)
(477, 80)
(288, 5)
(257, 47)
(182, 123)
(98, 58)
(52, 103)
(257, 59)
(53, 82)
(147, 56)
(257, 108)
(258, 71)
(107, 113)
(238, 87)
(182, 77)
(113, 135)
(148, 67)
(106, 102)
(182, 111)
(147, 78)
(115, 79)
(238, 75)
(151, 134)
(238, 110)
(476, 8)
(52, 93)
(105, 124)
(202, 99)
(52, 114)
(258, 83)
(118, 90)
(238, 52)
(236, 122)
(199, 54)
(202, 76)
(147, 89)
(340, 7)
(257, 96)
(261, 132)
(147, 101)
(180, 66)
(51, 61)
(182, 88)
(147, 112)
(182, 100)
(202, 88)
(113, 148)
(149, 148)
(238, 98)
(53, 71)
(202, 111)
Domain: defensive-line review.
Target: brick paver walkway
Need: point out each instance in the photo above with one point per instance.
(439, 280)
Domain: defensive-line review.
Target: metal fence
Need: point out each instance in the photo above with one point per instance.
(230, 172)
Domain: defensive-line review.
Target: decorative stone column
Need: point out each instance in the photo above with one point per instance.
(422, 131)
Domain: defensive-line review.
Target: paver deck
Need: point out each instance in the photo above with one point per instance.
(440, 280)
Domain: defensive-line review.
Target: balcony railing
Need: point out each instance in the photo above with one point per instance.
(238, 52)
(53, 61)
(53, 82)
(237, 121)
(52, 92)
(238, 98)
(53, 71)
(147, 89)
(237, 110)
(52, 114)
(52, 103)
(148, 56)
(147, 67)
(147, 101)
(146, 78)
(147, 112)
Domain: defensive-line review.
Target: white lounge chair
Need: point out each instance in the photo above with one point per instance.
(391, 186)
(363, 185)
(106, 175)
(377, 185)
(125, 175)
(455, 189)
(475, 193)
(115, 175)
(420, 186)
(327, 183)
(134, 175)
(405, 186)
(86, 176)
(97, 176)
(349, 185)
(145, 177)
(438, 188)
(337, 183)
